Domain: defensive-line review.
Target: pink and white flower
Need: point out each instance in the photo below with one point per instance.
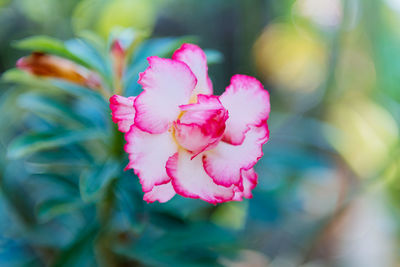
(183, 140)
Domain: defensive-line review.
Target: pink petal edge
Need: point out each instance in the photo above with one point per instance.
(190, 180)
(225, 162)
(167, 84)
(161, 193)
(249, 178)
(122, 111)
(248, 105)
(148, 154)
(196, 59)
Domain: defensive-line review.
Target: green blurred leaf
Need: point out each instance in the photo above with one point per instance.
(80, 91)
(97, 59)
(49, 108)
(95, 181)
(48, 45)
(196, 235)
(191, 245)
(213, 56)
(51, 208)
(94, 40)
(58, 180)
(81, 251)
(33, 142)
(21, 77)
(131, 205)
(15, 253)
(44, 84)
(15, 197)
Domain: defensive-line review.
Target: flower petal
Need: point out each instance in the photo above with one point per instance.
(148, 154)
(167, 84)
(247, 103)
(202, 124)
(249, 183)
(161, 193)
(122, 111)
(190, 180)
(225, 162)
(196, 59)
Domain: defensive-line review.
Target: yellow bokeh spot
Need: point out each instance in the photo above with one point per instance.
(290, 59)
(231, 215)
(103, 16)
(366, 133)
(355, 70)
(126, 13)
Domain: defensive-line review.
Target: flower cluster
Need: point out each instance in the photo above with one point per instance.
(182, 139)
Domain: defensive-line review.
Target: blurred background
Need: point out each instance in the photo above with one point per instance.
(329, 181)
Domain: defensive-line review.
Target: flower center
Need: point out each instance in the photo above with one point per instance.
(200, 126)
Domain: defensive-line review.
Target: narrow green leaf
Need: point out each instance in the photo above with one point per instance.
(79, 91)
(49, 108)
(15, 253)
(21, 77)
(51, 208)
(93, 57)
(92, 184)
(130, 205)
(195, 245)
(81, 251)
(94, 40)
(48, 45)
(15, 197)
(33, 142)
(58, 180)
(196, 235)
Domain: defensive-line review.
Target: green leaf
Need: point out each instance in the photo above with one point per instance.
(131, 206)
(58, 180)
(51, 208)
(92, 56)
(15, 196)
(196, 235)
(15, 253)
(33, 142)
(94, 40)
(194, 245)
(93, 183)
(79, 91)
(48, 45)
(81, 251)
(21, 77)
(49, 108)
(44, 84)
